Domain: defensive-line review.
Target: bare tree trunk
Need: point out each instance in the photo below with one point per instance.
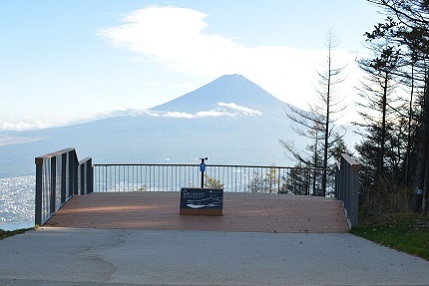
(422, 155)
(410, 118)
(327, 118)
(425, 192)
(383, 127)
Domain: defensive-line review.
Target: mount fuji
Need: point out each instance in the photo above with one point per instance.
(231, 120)
(226, 91)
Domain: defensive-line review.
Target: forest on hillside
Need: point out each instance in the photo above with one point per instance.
(394, 110)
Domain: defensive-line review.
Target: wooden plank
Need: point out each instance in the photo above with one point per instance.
(201, 211)
(246, 212)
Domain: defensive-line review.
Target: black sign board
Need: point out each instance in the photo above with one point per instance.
(204, 201)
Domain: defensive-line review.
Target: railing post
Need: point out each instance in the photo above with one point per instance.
(82, 179)
(337, 181)
(71, 173)
(76, 174)
(347, 187)
(53, 185)
(354, 194)
(39, 191)
(86, 176)
(89, 176)
(63, 178)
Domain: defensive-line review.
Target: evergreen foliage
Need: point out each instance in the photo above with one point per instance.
(395, 109)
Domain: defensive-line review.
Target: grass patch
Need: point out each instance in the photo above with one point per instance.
(7, 233)
(404, 232)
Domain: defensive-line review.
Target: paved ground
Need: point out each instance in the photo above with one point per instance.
(135, 239)
(242, 212)
(66, 256)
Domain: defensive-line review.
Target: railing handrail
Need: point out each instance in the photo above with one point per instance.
(39, 159)
(208, 165)
(86, 160)
(355, 166)
(197, 164)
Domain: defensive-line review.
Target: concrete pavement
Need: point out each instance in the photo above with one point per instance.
(77, 256)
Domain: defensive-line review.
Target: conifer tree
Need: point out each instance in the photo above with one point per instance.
(318, 124)
(407, 27)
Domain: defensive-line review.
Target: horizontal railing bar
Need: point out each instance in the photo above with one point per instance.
(39, 159)
(138, 164)
(56, 153)
(207, 166)
(85, 160)
(352, 162)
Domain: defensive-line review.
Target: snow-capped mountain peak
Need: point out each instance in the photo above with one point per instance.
(227, 95)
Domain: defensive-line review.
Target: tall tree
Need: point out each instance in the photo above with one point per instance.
(412, 31)
(319, 123)
(327, 106)
(377, 90)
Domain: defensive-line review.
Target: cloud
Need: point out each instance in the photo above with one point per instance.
(6, 140)
(245, 110)
(221, 109)
(31, 123)
(176, 38)
(199, 114)
(178, 114)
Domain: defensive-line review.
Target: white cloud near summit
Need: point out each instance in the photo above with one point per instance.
(199, 114)
(242, 109)
(221, 109)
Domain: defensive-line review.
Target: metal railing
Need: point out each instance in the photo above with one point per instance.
(347, 187)
(59, 176)
(232, 178)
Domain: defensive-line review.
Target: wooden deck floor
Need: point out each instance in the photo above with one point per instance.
(245, 212)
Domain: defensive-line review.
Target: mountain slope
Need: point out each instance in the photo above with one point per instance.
(226, 89)
(230, 120)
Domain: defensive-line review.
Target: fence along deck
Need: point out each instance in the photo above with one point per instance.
(60, 176)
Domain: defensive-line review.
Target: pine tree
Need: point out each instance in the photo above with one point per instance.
(411, 34)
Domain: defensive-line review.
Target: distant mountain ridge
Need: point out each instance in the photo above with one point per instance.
(231, 120)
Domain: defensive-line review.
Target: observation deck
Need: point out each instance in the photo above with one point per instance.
(243, 212)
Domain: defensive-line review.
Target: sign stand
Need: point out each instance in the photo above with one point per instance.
(201, 201)
(202, 170)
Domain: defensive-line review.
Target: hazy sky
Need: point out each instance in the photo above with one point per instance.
(77, 59)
